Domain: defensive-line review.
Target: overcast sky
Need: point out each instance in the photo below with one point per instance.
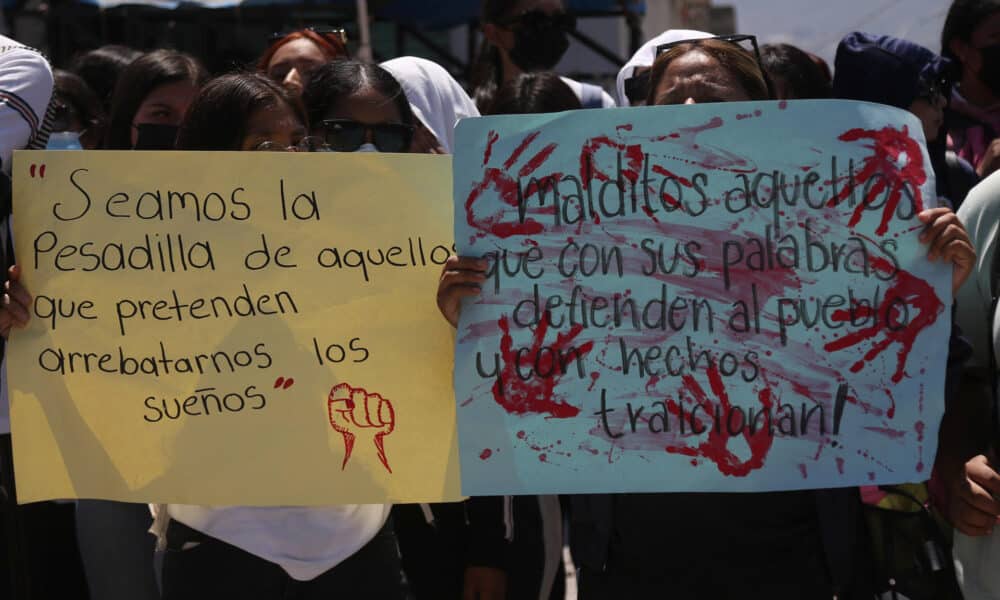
(817, 25)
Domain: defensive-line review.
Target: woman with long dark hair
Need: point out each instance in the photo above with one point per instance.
(521, 36)
(355, 106)
(150, 100)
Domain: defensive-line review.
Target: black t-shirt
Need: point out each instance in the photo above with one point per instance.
(696, 539)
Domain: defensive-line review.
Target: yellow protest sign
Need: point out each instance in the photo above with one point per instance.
(233, 328)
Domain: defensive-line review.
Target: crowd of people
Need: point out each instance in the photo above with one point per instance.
(307, 94)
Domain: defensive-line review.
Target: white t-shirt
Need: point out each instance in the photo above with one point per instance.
(606, 100)
(980, 213)
(25, 90)
(305, 541)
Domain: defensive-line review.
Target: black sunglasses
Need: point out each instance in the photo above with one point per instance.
(345, 135)
(338, 34)
(539, 21)
(637, 87)
(934, 91)
(737, 40)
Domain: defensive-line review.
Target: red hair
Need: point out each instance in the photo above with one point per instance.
(329, 44)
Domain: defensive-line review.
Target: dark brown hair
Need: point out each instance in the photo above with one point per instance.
(734, 59)
(71, 96)
(486, 74)
(964, 17)
(803, 77)
(102, 67)
(539, 92)
(218, 117)
(141, 77)
(336, 81)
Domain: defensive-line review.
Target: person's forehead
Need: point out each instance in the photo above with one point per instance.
(297, 49)
(274, 119)
(365, 105)
(170, 93)
(696, 75)
(692, 62)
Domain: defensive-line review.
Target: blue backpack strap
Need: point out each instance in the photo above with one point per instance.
(591, 96)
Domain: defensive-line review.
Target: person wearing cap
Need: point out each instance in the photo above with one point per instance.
(897, 72)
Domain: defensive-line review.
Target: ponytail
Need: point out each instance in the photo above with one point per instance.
(487, 72)
(487, 76)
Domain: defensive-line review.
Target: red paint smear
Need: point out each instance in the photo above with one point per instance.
(537, 160)
(491, 139)
(906, 289)
(516, 154)
(521, 435)
(782, 105)
(892, 434)
(802, 469)
(840, 465)
(537, 394)
(919, 428)
(506, 187)
(633, 155)
(543, 458)
(485, 454)
(715, 448)
(887, 145)
(708, 158)
(594, 376)
(659, 170)
(625, 127)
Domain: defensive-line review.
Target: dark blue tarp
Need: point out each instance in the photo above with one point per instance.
(432, 14)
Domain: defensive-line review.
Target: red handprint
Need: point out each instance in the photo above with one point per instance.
(354, 409)
(536, 394)
(907, 292)
(504, 221)
(716, 447)
(889, 146)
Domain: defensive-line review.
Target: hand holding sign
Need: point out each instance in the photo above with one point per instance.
(16, 303)
(949, 241)
(353, 410)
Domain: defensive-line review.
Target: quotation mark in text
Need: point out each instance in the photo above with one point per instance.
(283, 383)
(39, 168)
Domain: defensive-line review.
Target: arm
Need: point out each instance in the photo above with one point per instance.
(487, 546)
(971, 480)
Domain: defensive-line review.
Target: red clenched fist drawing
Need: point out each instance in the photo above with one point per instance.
(353, 411)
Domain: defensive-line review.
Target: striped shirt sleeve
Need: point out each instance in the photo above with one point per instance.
(25, 91)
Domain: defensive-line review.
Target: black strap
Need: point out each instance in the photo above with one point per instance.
(991, 369)
(13, 523)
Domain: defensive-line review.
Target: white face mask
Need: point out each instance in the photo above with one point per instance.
(367, 147)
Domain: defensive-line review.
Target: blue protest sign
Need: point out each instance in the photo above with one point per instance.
(720, 297)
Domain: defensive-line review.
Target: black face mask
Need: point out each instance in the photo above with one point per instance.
(989, 73)
(540, 40)
(155, 137)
